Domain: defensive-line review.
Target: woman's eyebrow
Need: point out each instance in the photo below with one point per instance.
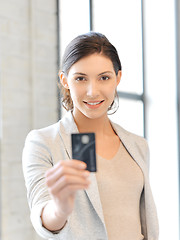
(79, 73)
(83, 74)
(105, 73)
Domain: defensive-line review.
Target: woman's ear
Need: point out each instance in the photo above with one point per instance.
(119, 75)
(63, 80)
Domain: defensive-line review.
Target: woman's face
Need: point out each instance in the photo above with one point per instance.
(92, 82)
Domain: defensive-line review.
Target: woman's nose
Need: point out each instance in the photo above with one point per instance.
(92, 90)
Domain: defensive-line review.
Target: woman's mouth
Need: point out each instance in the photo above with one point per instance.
(93, 104)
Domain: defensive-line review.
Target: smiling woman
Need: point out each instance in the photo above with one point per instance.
(66, 200)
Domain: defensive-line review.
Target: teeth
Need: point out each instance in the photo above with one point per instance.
(95, 103)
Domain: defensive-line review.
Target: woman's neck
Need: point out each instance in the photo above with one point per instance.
(100, 126)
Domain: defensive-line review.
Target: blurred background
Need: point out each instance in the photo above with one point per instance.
(33, 35)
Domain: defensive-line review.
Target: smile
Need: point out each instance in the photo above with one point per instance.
(93, 103)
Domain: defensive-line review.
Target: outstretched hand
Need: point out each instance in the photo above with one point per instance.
(63, 181)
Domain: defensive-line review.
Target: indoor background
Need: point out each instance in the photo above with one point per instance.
(33, 35)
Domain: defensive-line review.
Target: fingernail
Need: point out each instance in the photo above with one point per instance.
(82, 165)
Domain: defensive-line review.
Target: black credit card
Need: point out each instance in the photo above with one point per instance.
(84, 149)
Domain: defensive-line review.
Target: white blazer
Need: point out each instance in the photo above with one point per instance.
(44, 148)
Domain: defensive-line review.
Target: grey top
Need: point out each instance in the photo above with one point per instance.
(45, 147)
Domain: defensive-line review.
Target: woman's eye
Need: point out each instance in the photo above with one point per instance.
(104, 78)
(80, 79)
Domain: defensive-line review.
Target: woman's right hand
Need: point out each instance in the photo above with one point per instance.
(63, 181)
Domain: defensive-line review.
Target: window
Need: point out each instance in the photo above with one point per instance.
(74, 20)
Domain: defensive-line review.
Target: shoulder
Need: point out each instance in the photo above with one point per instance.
(41, 145)
(52, 134)
(122, 131)
(44, 134)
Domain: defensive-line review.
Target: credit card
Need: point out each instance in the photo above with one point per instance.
(84, 149)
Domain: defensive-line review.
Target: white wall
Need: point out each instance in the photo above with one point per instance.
(28, 75)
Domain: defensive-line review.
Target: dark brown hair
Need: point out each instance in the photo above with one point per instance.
(83, 46)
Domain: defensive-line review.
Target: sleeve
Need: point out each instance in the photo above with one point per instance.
(36, 160)
(148, 210)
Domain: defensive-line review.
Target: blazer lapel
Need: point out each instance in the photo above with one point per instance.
(93, 194)
(131, 147)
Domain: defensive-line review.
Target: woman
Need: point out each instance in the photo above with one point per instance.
(66, 200)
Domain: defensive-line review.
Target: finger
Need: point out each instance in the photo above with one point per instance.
(70, 191)
(77, 164)
(51, 180)
(67, 181)
(63, 171)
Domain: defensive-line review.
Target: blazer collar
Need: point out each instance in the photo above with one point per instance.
(134, 149)
(68, 126)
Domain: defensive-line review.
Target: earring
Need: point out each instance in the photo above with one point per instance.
(115, 104)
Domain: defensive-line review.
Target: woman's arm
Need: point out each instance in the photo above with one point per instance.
(48, 185)
(63, 181)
